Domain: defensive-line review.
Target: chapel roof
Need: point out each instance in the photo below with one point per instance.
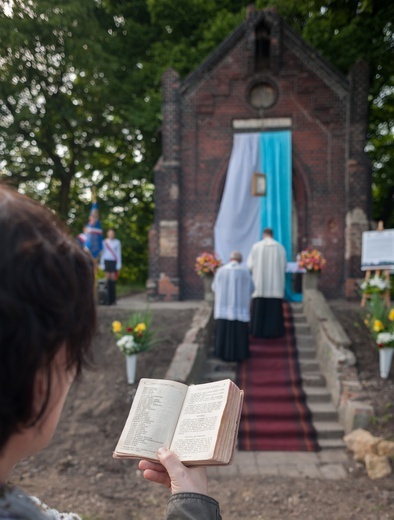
(309, 56)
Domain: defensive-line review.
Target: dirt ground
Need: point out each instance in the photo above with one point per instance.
(77, 472)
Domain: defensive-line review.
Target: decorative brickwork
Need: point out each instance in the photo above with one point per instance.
(331, 176)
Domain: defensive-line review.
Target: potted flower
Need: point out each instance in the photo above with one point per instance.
(206, 266)
(375, 285)
(380, 322)
(133, 337)
(313, 262)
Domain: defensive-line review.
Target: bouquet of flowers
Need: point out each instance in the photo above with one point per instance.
(380, 321)
(134, 336)
(207, 264)
(312, 260)
(375, 285)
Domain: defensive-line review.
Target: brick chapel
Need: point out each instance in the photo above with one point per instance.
(262, 77)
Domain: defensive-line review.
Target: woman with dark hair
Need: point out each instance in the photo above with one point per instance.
(47, 320)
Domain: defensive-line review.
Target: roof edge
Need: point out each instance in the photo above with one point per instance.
(215, 57)
(324, 68)
(311, 57)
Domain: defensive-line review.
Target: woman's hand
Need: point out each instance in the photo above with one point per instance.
(173, 474)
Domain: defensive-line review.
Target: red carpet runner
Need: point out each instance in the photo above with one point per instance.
(275, 416)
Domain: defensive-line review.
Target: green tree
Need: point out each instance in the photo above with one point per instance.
(49, 88)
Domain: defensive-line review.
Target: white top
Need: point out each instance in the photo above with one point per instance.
(267, 262)
(112, 250)
(233, 287)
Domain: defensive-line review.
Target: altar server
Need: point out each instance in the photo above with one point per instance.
(267, 262)
(233, 287)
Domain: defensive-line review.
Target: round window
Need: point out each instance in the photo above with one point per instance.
(262, 95)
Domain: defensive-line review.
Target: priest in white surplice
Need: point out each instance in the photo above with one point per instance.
(267, 262)
(233, 287)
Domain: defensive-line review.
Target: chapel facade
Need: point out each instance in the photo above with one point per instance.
(263, 76)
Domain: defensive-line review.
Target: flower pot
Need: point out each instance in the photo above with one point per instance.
(310, 280)
(385, 358)
(131, 365)
(209, 295)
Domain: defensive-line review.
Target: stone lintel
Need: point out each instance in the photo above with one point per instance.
(261, 124)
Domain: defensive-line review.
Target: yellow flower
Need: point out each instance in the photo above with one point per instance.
(116, 326)
(366, 322)
(378, 326)
(391, 315)
(140, 327)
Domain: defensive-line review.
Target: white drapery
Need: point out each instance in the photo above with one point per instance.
(238, 225)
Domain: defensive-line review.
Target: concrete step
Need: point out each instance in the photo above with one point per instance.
(323, 412)
(316, 394)
(305, 342)
(305, 338)
(306, 353)
(297, 306)
(309, 365)
(313, 379)
(328, 430)
(302, 329)
(331, 444)
(299, 318)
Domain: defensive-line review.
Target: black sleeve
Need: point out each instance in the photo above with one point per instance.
(192, 506)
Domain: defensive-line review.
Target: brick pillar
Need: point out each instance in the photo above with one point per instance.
(358, 171)
(163, 283)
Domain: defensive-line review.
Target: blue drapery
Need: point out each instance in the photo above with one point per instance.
(276, 206)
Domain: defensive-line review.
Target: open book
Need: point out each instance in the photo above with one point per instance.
(198, 422)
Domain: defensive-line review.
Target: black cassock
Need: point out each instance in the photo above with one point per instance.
(267, 319)
(232, 340)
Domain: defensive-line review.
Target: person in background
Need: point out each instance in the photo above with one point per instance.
(267, 262)
(47, 283)
(233, 288)
(111, 263)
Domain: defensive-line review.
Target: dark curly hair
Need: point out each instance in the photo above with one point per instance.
(46, 302)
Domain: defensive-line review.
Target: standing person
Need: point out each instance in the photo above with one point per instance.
(111, 263)
(267, 262)
(47, 283)
(93, 233)
(233, 287)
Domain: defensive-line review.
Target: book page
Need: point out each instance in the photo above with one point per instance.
(199, 422)
(152, 418)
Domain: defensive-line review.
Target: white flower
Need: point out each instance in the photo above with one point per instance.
(127, 345)
(385, 337)
(376, 282)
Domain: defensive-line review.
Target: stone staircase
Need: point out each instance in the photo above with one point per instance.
(324, 413)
